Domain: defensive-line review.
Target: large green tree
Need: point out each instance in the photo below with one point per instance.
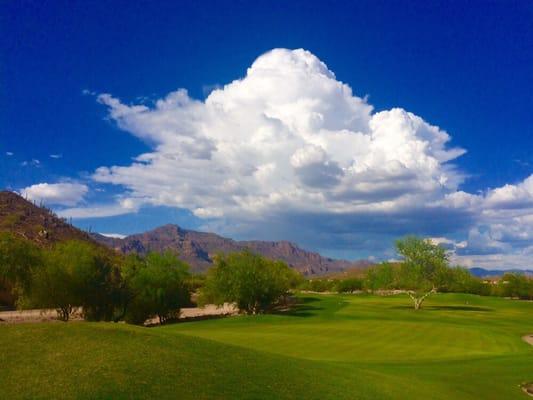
(422, 267)
(157, 285)
(76, 274)
(18, 258)
(254, 283)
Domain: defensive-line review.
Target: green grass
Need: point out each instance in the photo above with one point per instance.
(330, 347)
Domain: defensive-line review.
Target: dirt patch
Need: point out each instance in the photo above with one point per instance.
(528, 339)
(35, 316)
(199, 313)
(527, 388)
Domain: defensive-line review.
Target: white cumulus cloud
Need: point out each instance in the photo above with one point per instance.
(288, 135)
(290, 151)
(66, 194)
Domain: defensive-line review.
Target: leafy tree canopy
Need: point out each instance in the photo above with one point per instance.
(253, 282)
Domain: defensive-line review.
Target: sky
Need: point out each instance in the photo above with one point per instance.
(338, 125)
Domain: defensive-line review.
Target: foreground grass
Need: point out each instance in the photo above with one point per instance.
(330, 347)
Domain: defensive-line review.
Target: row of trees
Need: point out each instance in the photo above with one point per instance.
(106, 286)
(110, 287)
(424, 270)
(419, 273)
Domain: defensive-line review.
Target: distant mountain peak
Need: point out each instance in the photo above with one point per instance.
(42, 226)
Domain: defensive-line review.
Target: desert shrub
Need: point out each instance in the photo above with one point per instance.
(381, 277)
(319, 285)
(459, 280)
(516, 286)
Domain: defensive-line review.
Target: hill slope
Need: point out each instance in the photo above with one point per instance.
(198, 249)
(35, 223)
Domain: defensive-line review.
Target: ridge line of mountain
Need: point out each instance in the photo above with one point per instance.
(198, 248)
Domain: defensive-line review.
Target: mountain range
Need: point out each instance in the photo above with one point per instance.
(485, 273)
(199, 248)
(42, 226)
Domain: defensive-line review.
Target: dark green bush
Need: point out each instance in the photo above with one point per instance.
(349, 285)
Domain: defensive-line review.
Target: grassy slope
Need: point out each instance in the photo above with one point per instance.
(332, 347)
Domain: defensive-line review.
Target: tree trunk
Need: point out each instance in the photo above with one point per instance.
(63, 313)
(419, 300)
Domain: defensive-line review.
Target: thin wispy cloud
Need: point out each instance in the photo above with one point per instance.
(31, 163)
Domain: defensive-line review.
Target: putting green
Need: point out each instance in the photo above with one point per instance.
(367, 329)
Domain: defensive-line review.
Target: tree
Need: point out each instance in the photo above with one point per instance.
(349, 285)
(319, 285)
(18, 258)
(253, 282)
(423, 265)
(382, 276)
(516, 286)
(76, 274)
(459, 280)
(157, 286)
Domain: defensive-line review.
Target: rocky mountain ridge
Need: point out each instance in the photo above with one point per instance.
(199, 248)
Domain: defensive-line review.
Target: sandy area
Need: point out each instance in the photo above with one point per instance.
(209, 310)
(528, 389)
(34, 316)
(528, 339)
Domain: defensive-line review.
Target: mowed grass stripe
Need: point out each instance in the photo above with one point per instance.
(362, 341)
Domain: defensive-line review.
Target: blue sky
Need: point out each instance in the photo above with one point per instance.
(465, 69)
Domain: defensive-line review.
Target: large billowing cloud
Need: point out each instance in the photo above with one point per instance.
(290, 150)
(287, 136)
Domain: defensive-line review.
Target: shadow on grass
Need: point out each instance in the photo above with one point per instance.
(300, 307)
(461, 308)
(188, 319)
(446, 308)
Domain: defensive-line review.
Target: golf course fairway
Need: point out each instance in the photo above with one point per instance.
(328, 347)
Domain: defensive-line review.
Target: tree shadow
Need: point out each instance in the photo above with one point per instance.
(461, 308)
(446, 308)
(299, 307)
(184, 320)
